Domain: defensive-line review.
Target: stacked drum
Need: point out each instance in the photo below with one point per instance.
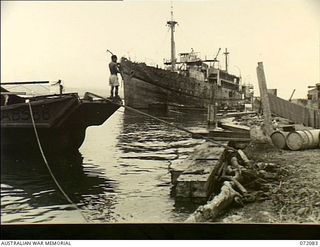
(297, 140)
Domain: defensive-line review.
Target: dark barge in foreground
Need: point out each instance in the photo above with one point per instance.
(60, 119)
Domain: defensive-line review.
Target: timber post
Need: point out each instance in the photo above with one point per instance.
(212, 107)
(264, 99)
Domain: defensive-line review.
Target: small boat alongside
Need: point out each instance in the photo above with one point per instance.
(60, 120)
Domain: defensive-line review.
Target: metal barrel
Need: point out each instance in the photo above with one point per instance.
(297, 140)
(316, 136)
(315, 133)
(303, 139)
(279, 139)
(313, 138)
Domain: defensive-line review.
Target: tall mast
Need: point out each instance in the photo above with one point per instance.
(172, 24)
(226, 53)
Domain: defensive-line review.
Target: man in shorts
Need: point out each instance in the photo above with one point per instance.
(113, 80)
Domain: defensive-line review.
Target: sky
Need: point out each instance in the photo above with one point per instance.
(67, 40)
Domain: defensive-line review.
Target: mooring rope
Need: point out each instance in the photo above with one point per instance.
(48, 167)
(167, 123)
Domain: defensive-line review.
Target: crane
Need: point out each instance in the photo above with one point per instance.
(215, 58)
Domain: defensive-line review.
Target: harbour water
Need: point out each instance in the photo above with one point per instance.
(120, 174)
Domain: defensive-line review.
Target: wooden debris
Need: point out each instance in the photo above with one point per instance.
(241, 182)
(192, 186)
(231, 191)
(232, 179)
(258, 135)
(214, 207)
(243, 157)
(234, 127)
(195, 176)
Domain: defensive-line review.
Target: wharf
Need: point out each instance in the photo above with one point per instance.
(225, 178)
(192, 178)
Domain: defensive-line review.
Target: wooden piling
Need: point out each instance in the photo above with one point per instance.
(212, 116)
(264, 99)
(212, 107)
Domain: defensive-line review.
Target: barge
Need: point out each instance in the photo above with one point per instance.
(60, 120)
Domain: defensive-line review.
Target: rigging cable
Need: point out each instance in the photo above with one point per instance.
(48, 167)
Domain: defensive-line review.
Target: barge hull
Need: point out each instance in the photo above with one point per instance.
(60, 122)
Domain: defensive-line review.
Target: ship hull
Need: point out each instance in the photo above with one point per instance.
(140, 94)
(60, 121)
(145, 86)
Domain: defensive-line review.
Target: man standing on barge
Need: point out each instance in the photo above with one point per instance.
(114, 68)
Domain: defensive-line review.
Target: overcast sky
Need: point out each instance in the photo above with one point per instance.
(68, 40)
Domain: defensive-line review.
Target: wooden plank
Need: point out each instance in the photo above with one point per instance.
(226, 135)
(234, 127)
(229, 134)
(235, 139)
(236, 114)
(194, 176)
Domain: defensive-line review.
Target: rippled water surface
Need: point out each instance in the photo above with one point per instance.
(120, 174)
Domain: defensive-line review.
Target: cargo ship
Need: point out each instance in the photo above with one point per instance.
(189, 82)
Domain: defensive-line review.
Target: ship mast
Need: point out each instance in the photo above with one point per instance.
(172, 24)
(226, 53)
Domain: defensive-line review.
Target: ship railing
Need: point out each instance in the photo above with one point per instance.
(25, 82)
(22, 83)
(25, 96)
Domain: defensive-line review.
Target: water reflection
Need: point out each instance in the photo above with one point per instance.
(148, 147)
(146, 138)
(123, 177)
(28, 190)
